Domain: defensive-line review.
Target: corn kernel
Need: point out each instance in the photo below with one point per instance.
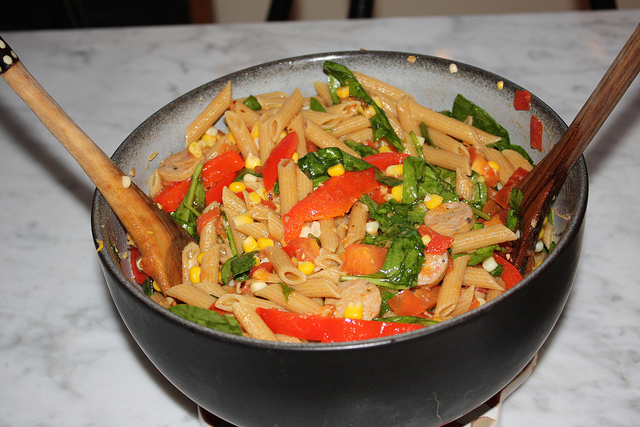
(249, 244)
(195, 150)
(396, 192)
(336, 170)
(251, 162)
(256, 286)
(494, 165)
(242, 219)
(126, 181)
(377, 101)
(255, 198)
(372, 227)
(489, 264)
(282, 135)
(394, 170)
(295, 157)
(237, 187)
(232, 139)
(369, 112)
(194, 274)
(262, 192)
(343, 92)
(426, 239)
(208, 138)
(155, 286)
(200, 256)
(541, 235)
(263, 242)
(432, 201)
(385, 149)
(306, 267)
(354, 310)
(255, 132)
(500, 85)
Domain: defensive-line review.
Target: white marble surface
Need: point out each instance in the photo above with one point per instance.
(66, 358)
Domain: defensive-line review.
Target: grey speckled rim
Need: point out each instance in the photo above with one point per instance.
(366, 61)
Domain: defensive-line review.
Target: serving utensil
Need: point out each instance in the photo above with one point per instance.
(157, 236)
(542, 184)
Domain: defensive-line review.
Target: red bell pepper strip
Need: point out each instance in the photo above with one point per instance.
(510, 274)
(329, 329)
(333, 198)
(171, 197)
(383, 160)
(220, 167)
(284, 150)
(535, 132)
(138, 275)
(522, 100)
(438, 244)
(214, 193)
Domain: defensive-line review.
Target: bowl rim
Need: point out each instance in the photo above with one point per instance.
(572, 228)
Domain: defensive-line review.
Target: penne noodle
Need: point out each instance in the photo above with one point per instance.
(450, 290)
(469, 241)
(252, 323)
(281, 119)
(209, 115)
(480, 278)
(322, 139)
(191, 295)
(446, 159)
(241, 135)
(283, 266)
(295, 301)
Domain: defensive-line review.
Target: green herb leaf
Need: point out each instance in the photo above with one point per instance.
(286, 290)
(237, 267)
(408, 319)
(363, 150)
(147, 286)
(208, 318)
(515, 199)
(424, 132)
(252, 102)
(379, 121)
(462, 108)
(315, 105)
(192, 205)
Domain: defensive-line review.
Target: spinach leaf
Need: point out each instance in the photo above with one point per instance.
(252, 102)
(515, 198)
(315, 105)
(208, 318)
(316, 164)
(379, 121)
(462, 108)
(286, 290)
(238, 267)
(420, 178)
(402, 264)
(147, 286)
(363, 150)
(424, 132)
(333, 85)
(480, 254)
(386, 296)
(192, 205)
(416, 143)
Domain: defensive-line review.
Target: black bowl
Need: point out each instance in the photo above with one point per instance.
(427, 377)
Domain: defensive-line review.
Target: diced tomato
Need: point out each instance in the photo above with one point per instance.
(535, 131)
(171, 197)
(362, 259)
(405, 303)
(220, 167)
(329, 329)
(510, 274)
(480, 165)
(502, 197)
(438, 244)
(378, 195)
(333, 198)
(474, 303)
(134, 255)
(212, 214)
(429, 296)
(522, 100)
(284, 150)
(383, 160)
(303, 248)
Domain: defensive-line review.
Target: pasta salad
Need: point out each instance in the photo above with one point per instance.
(354, 213)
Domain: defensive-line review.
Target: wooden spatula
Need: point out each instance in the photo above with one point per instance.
(542, 184)
(159, 238)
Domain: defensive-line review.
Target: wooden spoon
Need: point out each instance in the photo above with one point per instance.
(542, 184)
(157, 236)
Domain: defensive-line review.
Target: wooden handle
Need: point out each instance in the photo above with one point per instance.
(543, 183)
(158, 237)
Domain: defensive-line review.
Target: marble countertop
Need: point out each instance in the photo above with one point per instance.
(65, 356)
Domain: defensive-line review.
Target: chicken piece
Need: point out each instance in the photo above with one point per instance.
(433, 269)
(450, 218)
(358, 290)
